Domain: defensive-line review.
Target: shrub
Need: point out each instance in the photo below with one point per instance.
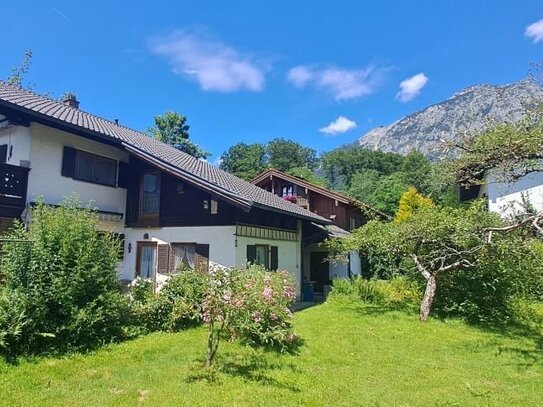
(60, 288)
(176, 306)
(250, 305)
(398, 292)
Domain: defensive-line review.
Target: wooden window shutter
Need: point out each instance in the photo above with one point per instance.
(163, 259)
(124, 174)
(251, 253)
(274, 258)
(202, 257)
(68, 162)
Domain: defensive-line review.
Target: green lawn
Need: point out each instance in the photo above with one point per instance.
(352, 355)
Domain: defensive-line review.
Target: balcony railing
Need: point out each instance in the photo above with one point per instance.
(13, 185)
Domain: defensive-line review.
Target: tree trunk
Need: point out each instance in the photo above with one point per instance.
(428, 298)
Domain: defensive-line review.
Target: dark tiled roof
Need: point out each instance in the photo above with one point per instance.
(140, 144)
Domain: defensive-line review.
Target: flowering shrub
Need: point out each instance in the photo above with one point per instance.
(250, 305)
(290, 198)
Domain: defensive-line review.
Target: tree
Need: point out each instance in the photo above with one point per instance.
(244, 160)
(172, 128)
(18, 74)
(410, 203)
(284, 155)
(307, 175)
(433, 240)
(388, 192)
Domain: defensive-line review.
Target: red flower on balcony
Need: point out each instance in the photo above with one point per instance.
(290, 198)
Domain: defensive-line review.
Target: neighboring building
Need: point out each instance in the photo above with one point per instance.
(508, 198)
(344, 212)
(171, 209)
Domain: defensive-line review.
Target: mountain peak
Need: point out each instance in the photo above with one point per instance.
(467, 111)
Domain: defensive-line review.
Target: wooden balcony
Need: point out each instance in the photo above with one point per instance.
(13, 188)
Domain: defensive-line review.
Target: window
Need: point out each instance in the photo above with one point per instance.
(183, 256)
(263, 255)
(287, 190)
(89, 167)
(175, 257)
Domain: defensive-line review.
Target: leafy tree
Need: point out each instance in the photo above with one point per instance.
(284, 154)
(411, 202)
(341, 165)
(308, 175)
(60, 289)
(388, 192)
(417, 171)
(244, 160)
(172, 128)
(18, 74)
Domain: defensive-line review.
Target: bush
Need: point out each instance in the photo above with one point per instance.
(176, 306)
(398, 292)
(60, 288)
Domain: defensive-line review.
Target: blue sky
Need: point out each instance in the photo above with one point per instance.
(318, 72)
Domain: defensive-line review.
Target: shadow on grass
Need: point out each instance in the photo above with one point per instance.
(254, 368)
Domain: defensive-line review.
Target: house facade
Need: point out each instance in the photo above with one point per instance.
(171, 209)
(344, 213)
(508, 198)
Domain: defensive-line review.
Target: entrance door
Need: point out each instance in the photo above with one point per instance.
(320, 270)
(146, 259)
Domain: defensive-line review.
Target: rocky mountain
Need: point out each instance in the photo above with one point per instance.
(430, 130)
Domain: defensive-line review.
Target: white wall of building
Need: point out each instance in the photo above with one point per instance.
(18, 140)
(221, 241)
(507, 198)
(45, 177)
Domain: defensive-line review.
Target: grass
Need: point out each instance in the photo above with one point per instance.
(353, 356)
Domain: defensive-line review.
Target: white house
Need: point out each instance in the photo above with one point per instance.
(508, 198)
(170, 208)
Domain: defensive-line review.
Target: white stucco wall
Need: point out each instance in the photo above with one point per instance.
(506, 198)
(45, 177)
(221, 241)
(18, 140)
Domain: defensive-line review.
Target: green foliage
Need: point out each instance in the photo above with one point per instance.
(176, 306)
(399, 292)
(172, 128)
(411, 202)
(341, 165)
(307, 175)
(245, 160)
(60, 288)
(284, 154)
(251, 305)
(17, 74)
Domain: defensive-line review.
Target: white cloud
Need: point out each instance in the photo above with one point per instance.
(339, 126)
(342, 83)
(535, 31)
(214, 65)
(299, 76)
(410, 88)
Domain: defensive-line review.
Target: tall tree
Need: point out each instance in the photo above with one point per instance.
(284, 154)
(172, 128)
(244, 160)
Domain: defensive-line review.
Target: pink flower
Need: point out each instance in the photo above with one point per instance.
(227, 296)
(239, 303)
(267, 293)
(273, 316)
(257, 316)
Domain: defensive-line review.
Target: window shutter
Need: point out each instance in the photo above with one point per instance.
(251, 253)
(124, 169)
(274, 258)
(202, 257)
(68, 162)
(163, 259)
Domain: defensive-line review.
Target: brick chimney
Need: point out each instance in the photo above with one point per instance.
(71, 100)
